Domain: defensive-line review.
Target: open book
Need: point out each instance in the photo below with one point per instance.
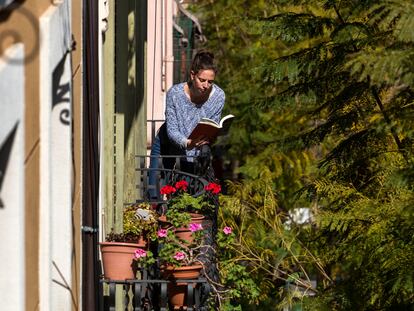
(211, 129)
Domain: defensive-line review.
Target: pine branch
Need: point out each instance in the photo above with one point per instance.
(379, 102)
(387, 119)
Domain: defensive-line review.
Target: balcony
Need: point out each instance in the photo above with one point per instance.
(150, 290)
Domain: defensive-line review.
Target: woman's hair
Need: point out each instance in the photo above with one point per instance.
(203, 60)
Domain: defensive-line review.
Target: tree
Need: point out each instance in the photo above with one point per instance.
(331, 127)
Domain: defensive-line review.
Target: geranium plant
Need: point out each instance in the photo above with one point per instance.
(235, 279)
(181, 202)
(180, 208)
(174, 251)
(178, 252)
(144, 258)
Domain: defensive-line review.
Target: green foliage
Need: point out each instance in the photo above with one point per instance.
(234, 274)
(265, 248)
(138, 220)
(323, 94)
(186, 202)
(178, 218)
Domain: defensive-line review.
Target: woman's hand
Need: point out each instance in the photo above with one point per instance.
(196, 143)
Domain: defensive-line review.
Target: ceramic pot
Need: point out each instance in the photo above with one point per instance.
(197, 218)
(185, 234)
(163, 222)
(118, 260)
(177, 291)
(142, 241)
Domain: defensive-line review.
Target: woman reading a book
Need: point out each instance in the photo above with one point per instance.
(186, 104)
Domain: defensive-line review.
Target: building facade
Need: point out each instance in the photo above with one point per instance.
(41, 85)
(79, 82)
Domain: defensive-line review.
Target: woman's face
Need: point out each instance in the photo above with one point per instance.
(203, 81)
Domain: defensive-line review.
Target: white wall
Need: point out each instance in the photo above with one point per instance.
(56, 159)
(160, 58)
(12, 246)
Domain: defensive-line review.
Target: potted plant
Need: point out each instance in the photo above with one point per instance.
(183, 208)
(119, 249)
(179, 258)
(140, 221)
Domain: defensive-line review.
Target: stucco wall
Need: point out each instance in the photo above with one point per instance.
(56, 158)
(12, 250)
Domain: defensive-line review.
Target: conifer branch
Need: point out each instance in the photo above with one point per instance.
(378, 101)
(338, 14)
(387, 119)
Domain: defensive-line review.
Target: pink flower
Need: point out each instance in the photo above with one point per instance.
(227, 230)
(162, 233)
(167, 189)
(182, 184)
(139, 253)
(179, 256)
(195, 227)
(213, 188)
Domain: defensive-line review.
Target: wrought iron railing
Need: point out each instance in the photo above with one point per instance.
(152, 294)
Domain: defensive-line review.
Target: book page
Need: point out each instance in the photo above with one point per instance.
(209, 121)
(224, 119)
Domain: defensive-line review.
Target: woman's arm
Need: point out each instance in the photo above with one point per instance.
(218, 105)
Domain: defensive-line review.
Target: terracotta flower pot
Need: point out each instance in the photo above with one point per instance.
(163, 222)
(118, 260)
(177, 291)
(142, 241)
(184, 234)
(197, 218)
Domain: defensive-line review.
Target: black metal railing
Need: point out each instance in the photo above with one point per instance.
(151, 291)
(153, 294)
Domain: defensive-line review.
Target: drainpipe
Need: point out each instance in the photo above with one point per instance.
(90, 158)
(167, 45)
(163, 43)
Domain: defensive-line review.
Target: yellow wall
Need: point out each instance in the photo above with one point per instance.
(77, 125)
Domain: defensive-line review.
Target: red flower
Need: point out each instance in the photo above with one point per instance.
(167, 189)
(213, 188)
(182, 184)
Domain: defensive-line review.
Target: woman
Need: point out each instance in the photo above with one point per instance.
(190, 101)
(186, 104)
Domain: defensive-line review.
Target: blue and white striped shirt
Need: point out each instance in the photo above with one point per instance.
(182, 115)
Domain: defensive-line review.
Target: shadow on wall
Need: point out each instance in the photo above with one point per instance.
(28, 26)
(5, 150)
(130, 63)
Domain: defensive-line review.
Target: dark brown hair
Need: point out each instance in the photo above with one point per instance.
(203, 60)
